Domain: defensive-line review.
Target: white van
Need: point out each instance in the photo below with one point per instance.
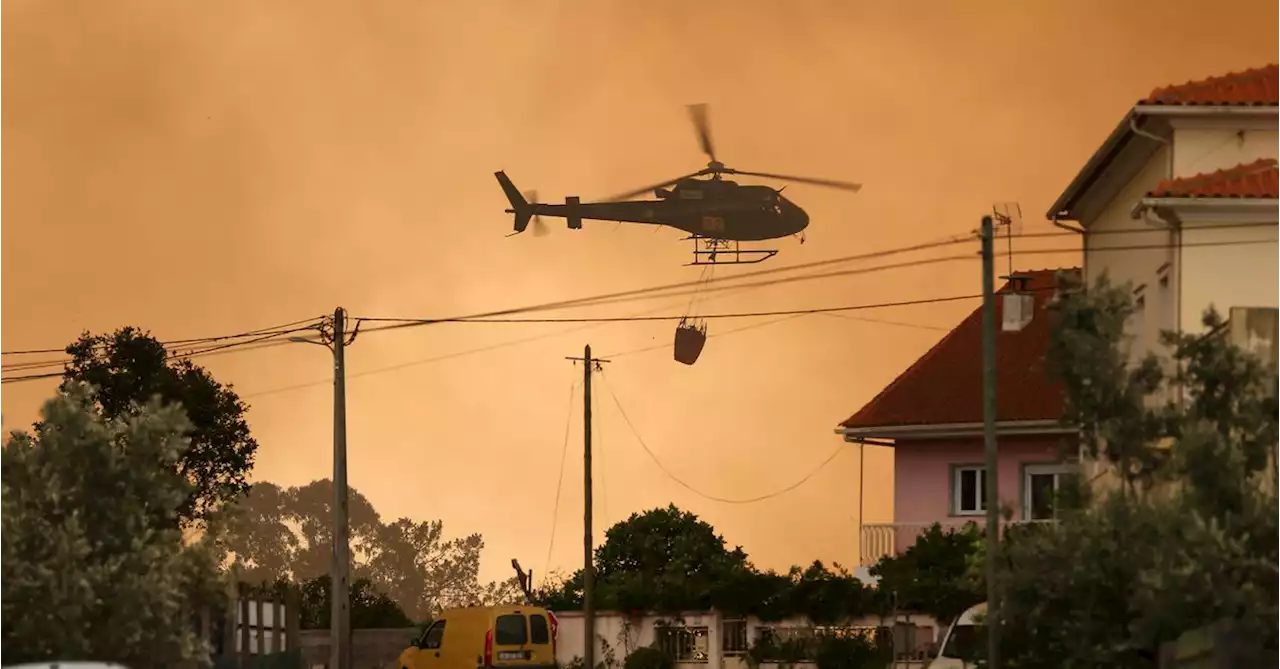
(965, 642)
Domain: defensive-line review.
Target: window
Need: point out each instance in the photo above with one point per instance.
(969, 491)
(510, 631)
(538, 630)
(683, 644)
(1040, 487)
(733, 636)
(966, 642)
(434, 636)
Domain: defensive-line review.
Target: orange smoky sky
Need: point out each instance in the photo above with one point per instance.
(204, 168)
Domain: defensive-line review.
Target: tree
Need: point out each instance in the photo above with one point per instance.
(495, 593)
(824, 595)
(88, 569)
(284, 533)
(129, 367)
(287, 533)
(937, 575)
(661, 560)
(1191, 537)
(370, 608)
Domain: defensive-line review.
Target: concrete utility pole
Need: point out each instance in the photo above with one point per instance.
(340, 572)
(333, 336)
(589, 365)
(989, 435)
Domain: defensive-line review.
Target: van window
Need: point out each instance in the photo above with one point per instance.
(510, 631)
(538, 630)
(434, 636)
(966, 642)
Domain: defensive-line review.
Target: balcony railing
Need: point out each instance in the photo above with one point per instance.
(882, 539)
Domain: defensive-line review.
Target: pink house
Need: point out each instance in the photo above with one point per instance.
(931, 416)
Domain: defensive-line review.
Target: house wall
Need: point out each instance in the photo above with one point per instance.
(1239, 275)
(1207, 145)
(922, 473)
(1223, 276)
(1108, 249)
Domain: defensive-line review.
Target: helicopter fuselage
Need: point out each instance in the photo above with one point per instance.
(711, 209)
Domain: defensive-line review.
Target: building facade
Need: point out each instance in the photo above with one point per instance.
(931, 416)
(1180, 203)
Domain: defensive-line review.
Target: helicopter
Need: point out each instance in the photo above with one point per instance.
(717, 213)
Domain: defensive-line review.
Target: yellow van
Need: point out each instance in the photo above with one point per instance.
(519, 637)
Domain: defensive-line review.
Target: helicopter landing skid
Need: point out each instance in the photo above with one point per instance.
(711, 251)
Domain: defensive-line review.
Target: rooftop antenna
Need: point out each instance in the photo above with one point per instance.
(1009, 216)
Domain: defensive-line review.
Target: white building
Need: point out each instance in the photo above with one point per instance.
(1181, 202)
(712, 640)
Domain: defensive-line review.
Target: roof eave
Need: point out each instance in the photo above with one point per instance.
(1062, 207)
(1259, 110)
(1208, 201)
(1044, 426)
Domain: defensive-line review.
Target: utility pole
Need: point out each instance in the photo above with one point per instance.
(989, 436)
(589, 365)
(340, 570)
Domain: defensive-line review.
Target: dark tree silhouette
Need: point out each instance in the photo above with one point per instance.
(129, 367)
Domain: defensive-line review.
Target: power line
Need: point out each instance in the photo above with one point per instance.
(783, 319)
(694, 490)
(901, 324)
(735, 314)
(555, 508)
(653, 291)
(590, 322)
(667, 346)
(659, 291)
(700, 286)
(702, 282)
(446, 356)
(263, 342)
(198, 340)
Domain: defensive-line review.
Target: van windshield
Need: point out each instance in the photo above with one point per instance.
(510, 631)
(967, 643)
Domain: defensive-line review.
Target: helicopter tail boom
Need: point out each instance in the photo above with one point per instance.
(519, 205)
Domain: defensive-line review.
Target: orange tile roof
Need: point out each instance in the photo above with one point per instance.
(945, 385)
(1255, 86)
(1259, 179)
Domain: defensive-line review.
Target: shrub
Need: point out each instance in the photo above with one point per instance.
(850, 652)
(648, 657)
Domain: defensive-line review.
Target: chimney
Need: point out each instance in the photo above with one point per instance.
(1018, 306)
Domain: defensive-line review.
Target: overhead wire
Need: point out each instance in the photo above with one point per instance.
(655, 291)
(662, 291)
(671, 475)
(197, 340)
(701, 282)
(555, 507)
(502, 317)
(270, 339)
(448, 356)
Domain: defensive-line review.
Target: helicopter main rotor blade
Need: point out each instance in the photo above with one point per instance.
(829, 183)
(649, 189)
(698, 113)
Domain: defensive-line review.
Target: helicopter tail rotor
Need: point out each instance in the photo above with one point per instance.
(539, 228)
